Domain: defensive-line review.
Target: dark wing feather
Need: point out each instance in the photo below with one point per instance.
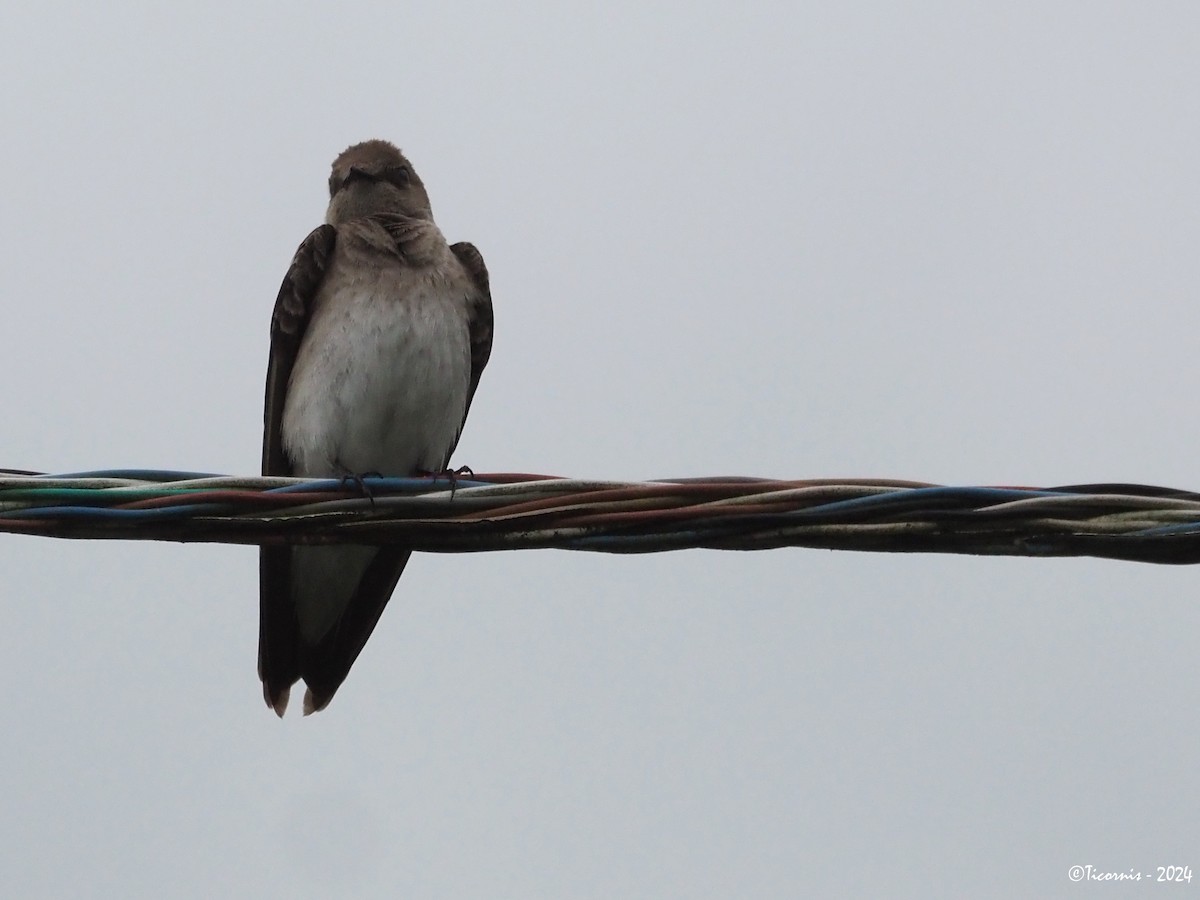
(326, 664)
(479, 321)
(293, 309)
(278, 663)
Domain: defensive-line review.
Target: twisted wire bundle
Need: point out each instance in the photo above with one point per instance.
(513, 511)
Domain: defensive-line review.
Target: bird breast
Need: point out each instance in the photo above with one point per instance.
(381, 378)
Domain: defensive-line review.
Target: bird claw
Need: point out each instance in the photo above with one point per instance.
(360, 484)
(451, 475)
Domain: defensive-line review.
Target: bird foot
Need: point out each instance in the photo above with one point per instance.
(360, 484)
(451, 475)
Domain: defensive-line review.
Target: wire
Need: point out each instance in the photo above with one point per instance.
(506, 511)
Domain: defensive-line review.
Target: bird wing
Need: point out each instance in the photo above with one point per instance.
(278, 643)
(479, 323)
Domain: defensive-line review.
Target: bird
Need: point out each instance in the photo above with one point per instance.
(379, 336)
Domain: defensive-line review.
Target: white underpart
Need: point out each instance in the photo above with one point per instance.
(380, 385)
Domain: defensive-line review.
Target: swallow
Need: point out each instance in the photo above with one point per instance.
(379, 336)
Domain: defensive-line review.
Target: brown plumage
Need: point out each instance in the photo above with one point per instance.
(380, 334)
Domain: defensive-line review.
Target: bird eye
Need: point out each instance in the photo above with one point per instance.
(398, 175)
(354, 173)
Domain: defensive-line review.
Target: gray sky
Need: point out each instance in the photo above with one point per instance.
(927, 241)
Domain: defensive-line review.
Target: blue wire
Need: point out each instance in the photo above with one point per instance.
(384, 484)
(92, 512)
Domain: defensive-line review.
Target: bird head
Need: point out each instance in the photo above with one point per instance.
(371, 178)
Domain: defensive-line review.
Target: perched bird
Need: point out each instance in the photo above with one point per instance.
(380, 333)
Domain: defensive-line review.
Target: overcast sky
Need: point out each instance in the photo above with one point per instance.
(933, 241)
